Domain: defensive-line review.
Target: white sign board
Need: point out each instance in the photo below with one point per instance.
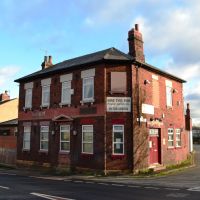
(118, 104)
(147, 109)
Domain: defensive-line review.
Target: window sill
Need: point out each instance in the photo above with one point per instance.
(87, 155)
(169, 107)
(43, 151)
(118, 92)
(118, 156)
(26, 150)
(44, 106)
(87, 101)
(178, 147)
(170, 148)
(64, 152)
(64, 104)
(27, 108)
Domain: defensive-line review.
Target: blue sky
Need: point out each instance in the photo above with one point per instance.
(67, 29)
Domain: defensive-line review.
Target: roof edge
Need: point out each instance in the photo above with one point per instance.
(159, 71)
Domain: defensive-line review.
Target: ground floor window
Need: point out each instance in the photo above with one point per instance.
(26, 137)
(65, 138)
(44, 137)
(118, 139)
(170, 137)
(87, 139)
(178, 137)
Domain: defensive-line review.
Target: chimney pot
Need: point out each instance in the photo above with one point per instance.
(137, 27)
(50, 60)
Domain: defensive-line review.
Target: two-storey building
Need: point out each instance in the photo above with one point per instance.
(105, 111)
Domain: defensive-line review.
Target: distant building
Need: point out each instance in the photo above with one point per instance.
(104, 111)
(8, 128)
(196, 134)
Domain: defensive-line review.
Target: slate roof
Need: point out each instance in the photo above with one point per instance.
(111, 54)
(9, 122)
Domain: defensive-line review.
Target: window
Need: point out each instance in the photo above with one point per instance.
(28, 98)
(65, 138)
(118, 139)
(168, 93)
(66, 79)
(87, 139)
(178, 137)
(155, 91)
(88, 89)
(46, 95)
(169, 96)
(88, 85)
(66, 92)
(118, 82)
(44, 137)
(170, 137)
(28, 94)
(26, 138)
(46, 92)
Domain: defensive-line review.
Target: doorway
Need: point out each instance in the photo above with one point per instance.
(154, 146)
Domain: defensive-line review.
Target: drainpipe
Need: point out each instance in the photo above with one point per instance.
(105, 120)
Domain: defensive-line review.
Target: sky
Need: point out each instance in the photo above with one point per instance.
(29, 30)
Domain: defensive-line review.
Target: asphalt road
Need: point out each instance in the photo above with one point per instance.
(21, 185)
(24, 187)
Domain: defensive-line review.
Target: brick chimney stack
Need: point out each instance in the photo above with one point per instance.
(136, 44)
(47, 62)
(188, 120)
(4, 96)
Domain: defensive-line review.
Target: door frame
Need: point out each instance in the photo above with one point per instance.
(159, 145)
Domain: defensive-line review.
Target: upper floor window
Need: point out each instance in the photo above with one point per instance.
(178, 137)
(87, 139)
(28, 94)
(155, 91)
(170, 137)
(88, 89)
(118, 82)
(118, 139)
(26, 137)
(44, 137)
(66, 88)
(65, 138)
(169, 93)
(88, 85)
(46, 92)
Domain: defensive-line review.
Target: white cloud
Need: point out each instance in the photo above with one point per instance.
(109, 11)
(6, 75)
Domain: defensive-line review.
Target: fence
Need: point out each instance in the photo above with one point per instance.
(8, 149)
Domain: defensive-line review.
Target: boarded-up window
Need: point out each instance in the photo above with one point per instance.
(118, 82)
(155, 91)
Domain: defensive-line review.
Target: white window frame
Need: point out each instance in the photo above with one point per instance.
(66, 85)
(45, 87)
(44, 140)
(27, 131)
(28, 98)
(64, 141)
(170, 132)
(169, 96)
(178, 137)
(88, 142)
(84, 98)
(113, 142)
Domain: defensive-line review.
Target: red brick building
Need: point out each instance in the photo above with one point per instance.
(105, 111)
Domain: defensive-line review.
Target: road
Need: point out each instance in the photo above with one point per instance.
(21, 185)
(25, 187)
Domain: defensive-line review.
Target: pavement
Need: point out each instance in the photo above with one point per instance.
(187, 178)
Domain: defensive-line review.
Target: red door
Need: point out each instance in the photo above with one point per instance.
(154, 146)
